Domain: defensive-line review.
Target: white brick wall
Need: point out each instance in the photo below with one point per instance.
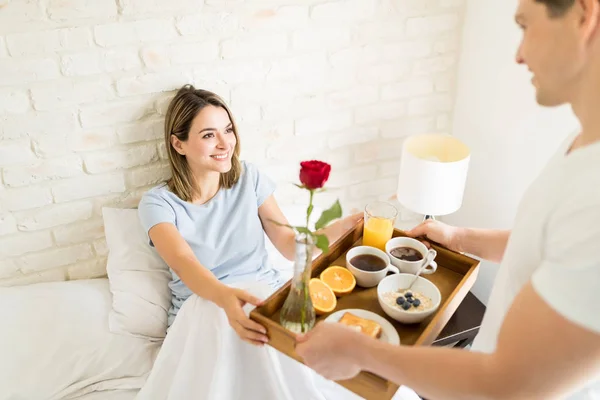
(34, 43)
(23, 71)
(84, 87)
(25, 198)
(70, 93)
(14, 101)
(3, 49)
(68, 10)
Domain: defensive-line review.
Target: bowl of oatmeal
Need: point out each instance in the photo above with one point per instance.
(408, 306)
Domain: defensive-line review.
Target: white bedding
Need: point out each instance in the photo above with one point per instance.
(109, 395)
(55, 343)
(66, 351)
(202, 358)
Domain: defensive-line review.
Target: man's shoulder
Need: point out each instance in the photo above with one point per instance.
(571, 222)
(580, 183)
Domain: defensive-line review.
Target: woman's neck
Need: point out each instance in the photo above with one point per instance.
(208, 184)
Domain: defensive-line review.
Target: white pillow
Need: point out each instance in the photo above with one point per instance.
(55, 343)
(138, 277)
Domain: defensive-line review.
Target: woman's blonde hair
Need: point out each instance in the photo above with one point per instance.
(184, 107)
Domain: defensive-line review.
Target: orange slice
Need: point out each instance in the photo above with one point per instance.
(322, 296)
(339, 279)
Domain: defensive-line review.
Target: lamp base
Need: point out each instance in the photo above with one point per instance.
(428, 217)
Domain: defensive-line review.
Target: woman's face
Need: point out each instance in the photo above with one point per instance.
(211, 141)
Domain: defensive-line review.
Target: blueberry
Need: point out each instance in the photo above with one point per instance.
(406, 306)
(417, 303)
(408, 294)
(400, 300)
(410, 299)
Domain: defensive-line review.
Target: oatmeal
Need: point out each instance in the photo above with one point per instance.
(407, 300)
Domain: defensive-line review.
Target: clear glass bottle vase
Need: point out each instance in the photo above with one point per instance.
(298, 314)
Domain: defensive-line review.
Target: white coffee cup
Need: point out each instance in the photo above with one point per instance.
(412, 267)
(364, 278)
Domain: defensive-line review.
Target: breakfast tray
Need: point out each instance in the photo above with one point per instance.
(455, 275)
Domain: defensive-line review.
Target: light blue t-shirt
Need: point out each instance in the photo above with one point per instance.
(225, 234)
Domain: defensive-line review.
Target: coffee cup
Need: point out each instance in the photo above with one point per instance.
(369, 265)
(409, 255)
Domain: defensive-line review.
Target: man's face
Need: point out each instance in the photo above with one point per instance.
(553, 50)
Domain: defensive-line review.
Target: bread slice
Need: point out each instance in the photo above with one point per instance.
(366, 326)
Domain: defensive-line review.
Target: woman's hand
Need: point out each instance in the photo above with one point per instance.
(231, 301)
(337, 229)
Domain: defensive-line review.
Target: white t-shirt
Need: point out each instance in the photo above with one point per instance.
(555, 243)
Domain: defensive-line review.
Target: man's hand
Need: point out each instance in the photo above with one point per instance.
(436, 231)
(488, 244)
(332, 350)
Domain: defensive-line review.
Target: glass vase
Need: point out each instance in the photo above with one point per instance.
(298, 313)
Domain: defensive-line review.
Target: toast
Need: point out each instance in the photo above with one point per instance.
(366, 326)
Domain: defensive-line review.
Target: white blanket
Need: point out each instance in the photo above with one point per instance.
(202, 358)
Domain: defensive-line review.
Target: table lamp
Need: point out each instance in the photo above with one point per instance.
(433, 173)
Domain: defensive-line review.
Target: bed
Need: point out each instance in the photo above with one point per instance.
(91, 339)
(55, 343)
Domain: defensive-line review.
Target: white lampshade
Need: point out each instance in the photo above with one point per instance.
(433, 173)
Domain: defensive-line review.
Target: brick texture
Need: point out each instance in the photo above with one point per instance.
(85, 86)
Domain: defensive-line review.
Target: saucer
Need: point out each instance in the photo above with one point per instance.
(388, 333)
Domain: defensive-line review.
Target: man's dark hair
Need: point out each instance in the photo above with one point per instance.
(557, 8)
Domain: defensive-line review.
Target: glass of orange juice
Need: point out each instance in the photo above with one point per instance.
(379, 224)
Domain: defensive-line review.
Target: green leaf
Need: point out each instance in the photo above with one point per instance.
(300, 229)
(329, 215)
(322, 243)
(309, 210)
(300, 186)
(303, 229)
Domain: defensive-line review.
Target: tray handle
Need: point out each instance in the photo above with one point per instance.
(375, 382)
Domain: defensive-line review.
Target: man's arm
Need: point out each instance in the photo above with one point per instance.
(540, 355)
(488, 244)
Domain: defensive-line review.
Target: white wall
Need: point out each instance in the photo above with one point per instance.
(84, 86)
(510, 136)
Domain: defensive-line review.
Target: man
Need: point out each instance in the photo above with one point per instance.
(540, 337)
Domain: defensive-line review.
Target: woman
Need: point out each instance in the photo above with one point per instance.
(207, 223)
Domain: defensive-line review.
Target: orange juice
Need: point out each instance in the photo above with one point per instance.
(377, 232)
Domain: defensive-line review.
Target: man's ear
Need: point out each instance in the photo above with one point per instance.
(589, 18)
(177, 145)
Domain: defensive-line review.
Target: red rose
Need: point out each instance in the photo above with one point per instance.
(314, 174)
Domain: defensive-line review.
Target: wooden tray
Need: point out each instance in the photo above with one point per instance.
(455, 275)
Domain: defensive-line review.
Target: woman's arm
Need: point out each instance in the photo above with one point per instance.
(178, 255)
(283, 238)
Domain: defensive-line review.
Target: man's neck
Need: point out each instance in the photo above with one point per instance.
(586, 106)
